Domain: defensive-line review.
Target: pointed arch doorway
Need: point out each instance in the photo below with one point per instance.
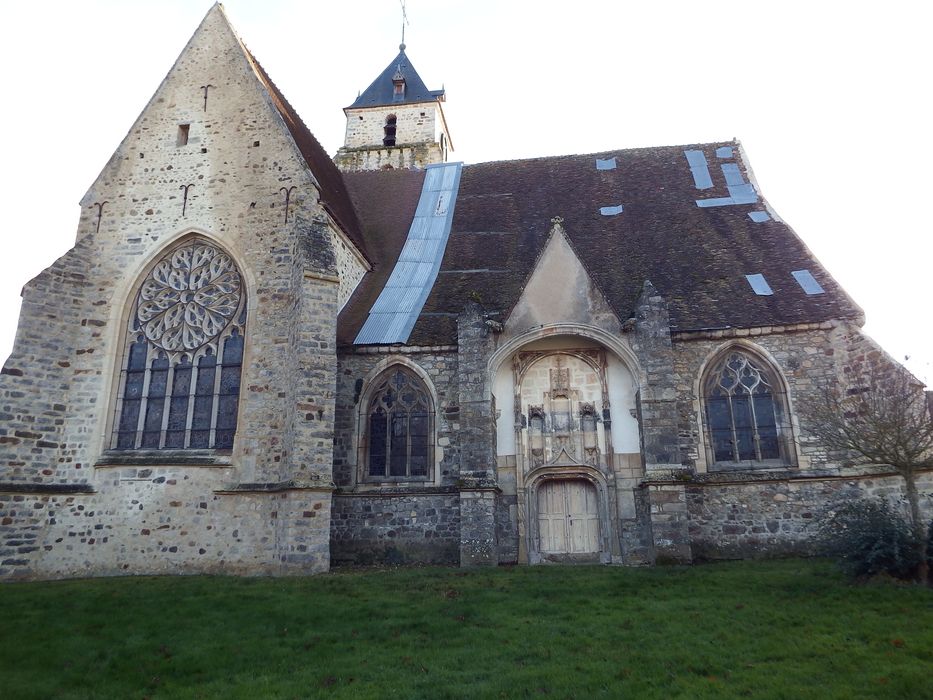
(567, 517)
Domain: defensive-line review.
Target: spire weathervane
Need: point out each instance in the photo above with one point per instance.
(404, 22)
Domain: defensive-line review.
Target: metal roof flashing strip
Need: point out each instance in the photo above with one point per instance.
(699, 169)
(740, 192)
(807, 282)
(395, 311)
(760, 285)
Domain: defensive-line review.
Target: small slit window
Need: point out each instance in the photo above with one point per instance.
(182, 138)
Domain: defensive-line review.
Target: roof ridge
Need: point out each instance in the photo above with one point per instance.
(608, 151)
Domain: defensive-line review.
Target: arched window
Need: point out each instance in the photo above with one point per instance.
(746, 414)
(180, 379)
(389, 131)
(400, 428)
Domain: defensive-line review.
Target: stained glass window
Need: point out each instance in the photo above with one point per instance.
(744, 413)
(180, 381)
(400, 422)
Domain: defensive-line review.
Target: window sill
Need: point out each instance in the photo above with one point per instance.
(397, 481)
(165, 458)
(730, 467)
(395, 489)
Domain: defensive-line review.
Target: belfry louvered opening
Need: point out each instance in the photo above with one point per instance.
(179, 384)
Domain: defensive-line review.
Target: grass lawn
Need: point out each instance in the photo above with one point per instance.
(781, 629)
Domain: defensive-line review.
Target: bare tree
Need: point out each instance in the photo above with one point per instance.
(884, 420)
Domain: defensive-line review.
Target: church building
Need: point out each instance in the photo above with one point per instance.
(258, 359)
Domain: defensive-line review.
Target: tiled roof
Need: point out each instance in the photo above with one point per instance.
(381, 91)
(334, 195)
(696, 256)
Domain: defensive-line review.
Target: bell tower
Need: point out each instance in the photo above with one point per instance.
(395, 123)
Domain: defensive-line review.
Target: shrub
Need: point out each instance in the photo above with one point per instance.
(869, 537)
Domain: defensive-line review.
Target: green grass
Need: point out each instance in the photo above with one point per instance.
(782, 629)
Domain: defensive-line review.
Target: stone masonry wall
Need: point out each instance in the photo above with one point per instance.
(350, 268)
(396, 528)
(388, 521)
(353, 369)
(415, 123)
(780, 517)
(657, 407)
(161, 520)
(401, 157)
(35, 381)
(810, 359)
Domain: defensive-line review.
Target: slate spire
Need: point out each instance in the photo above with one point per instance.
(400, 73)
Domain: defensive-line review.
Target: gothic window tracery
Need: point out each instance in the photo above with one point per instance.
(180, 377)
(745, 413)
(400, 422)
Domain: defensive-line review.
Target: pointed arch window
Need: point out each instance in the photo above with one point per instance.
(746, 414)
(389, 131)
(400, 428)
(179, 384)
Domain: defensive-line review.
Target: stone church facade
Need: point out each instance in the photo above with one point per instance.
(255, 361)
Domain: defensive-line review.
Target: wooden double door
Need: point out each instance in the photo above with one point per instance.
(568, 517)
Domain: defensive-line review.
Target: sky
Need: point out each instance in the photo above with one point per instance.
(831, 101)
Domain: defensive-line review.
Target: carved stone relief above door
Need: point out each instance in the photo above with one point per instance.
(562, 407)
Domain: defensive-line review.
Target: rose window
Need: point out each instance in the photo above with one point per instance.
(179, 384)
(189, 298)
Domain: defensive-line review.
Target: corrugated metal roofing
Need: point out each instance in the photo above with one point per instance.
(400, 302)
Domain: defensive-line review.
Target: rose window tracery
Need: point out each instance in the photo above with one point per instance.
(189, 297)
(179, 385)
